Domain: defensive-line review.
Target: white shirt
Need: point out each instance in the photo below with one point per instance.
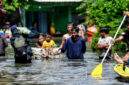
(105, 40)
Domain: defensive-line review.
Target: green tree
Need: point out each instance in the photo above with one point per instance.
(14, 7)
(105, 13)
(14, 4)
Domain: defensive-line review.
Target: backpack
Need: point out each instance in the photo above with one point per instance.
(19, 41)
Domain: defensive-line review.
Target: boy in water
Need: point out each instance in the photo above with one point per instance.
(48, 45)
(103, 43)
(74, 45)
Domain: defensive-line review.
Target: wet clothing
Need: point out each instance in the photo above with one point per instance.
(3, 45)
(125, 34)
(22, 54)
(48, 44)
(103, 51)
(75, 49)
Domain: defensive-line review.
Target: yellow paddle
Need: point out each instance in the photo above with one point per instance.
(97, 72)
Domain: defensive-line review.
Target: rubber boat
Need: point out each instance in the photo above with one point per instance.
(119, 70)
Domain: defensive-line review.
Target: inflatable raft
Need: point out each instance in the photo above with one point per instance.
(39, 53)
(119, 70)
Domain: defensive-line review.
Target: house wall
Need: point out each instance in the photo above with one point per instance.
(61, 19)
(60, 16)
(58, 13)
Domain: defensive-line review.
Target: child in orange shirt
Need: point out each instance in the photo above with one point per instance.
(48, 45)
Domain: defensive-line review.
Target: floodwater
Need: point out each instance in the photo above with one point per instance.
(57, 72)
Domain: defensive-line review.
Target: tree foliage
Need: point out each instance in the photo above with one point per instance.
(14, 4)
(11, 10)
(104, 13)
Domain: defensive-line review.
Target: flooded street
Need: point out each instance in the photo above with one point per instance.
(57, 72)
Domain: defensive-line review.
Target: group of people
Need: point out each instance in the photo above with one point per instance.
(73, 42)
(5, 34)
(5, 30)
(18, 40)
(105, 40)
(46, 42)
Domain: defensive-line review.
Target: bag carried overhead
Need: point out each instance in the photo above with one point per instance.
(19, 41)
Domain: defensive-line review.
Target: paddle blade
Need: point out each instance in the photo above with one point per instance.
(97, 72)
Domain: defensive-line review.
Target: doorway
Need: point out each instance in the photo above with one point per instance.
(41, 18)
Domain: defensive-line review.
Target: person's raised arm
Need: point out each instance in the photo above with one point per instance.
(82, 31)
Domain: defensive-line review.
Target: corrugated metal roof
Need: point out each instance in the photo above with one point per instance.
(58, 0)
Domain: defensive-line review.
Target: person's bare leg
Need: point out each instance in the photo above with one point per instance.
(51, 50)
(46, 53)
(125, 59)
(118, 59)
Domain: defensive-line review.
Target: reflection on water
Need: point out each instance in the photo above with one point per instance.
(122, 79)
(57, 72)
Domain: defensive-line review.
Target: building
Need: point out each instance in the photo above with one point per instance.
(60, 12)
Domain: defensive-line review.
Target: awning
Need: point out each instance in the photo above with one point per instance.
(58, 0)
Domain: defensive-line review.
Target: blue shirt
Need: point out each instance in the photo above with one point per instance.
(75, 49)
